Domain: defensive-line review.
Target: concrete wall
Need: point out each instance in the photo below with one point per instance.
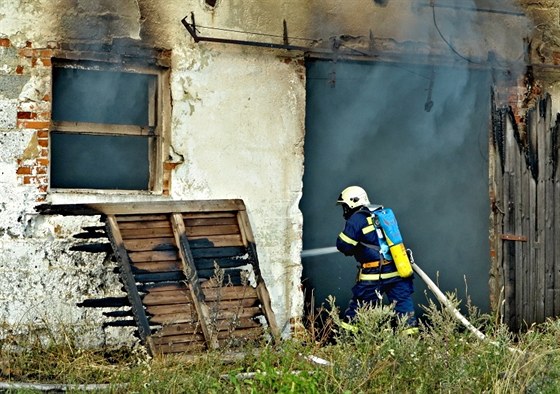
(237, 125)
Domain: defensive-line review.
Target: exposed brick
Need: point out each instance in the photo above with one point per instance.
(27, 52)
(26, 115)
(42, 161)
(44, 115)
(42, 180)
(43, 134)
(45, 152)
(28, 180)
(42, 170)
(5, 42)
(24, 170)
(47, 97)
(28, 44)
(19, 69)
(46, 61)
(43, 142)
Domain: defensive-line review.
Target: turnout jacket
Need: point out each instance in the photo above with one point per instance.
(359, 228)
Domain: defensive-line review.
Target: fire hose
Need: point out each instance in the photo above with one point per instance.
(431, 285)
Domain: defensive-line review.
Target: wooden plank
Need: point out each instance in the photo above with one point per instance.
(143, 207)
(159, 266)
(160, 277)
(183, 338)
(540, 260)
(155, 207)
(205, 220)
(129, 281)
(193, 347)
(248, 333)
(173, 340)
(174, 318)
(222, 325)
(146, 244)
(532, 266)
(209, 214)
(107, 302)
(192, 278)
(177, 329)
(167, 297)
(262, 291)
(207, 253)
(213, 308)
(556, 236)
(548, 229)
(167, 287)
(141, 218)
(233, 304)
(495, 175)
(162, 297)
(240, 312)
(509, 248)
(144, 224)
(512, 292)
(215, 241)
(202, 231)
(158, 232)
(228, 262)
(155, 310)
(228, 276)
(157, 255)
(526, 259)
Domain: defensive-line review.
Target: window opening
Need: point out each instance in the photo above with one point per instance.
(106, 130)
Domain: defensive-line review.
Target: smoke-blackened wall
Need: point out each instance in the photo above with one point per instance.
(373, 128)
(413, 132)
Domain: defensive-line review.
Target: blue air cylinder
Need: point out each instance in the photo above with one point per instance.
(388, 223)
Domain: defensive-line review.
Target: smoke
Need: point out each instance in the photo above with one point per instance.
(415, 136)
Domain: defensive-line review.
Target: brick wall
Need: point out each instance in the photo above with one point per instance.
(34, 114)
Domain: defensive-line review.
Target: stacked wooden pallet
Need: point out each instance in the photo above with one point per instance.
(190, 271)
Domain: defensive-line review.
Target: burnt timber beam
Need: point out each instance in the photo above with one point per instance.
(140, 207)
(129, 282)
(193, 282)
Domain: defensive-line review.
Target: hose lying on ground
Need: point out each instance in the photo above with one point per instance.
(431, 285)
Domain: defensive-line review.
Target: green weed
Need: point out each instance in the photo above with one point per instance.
(444, 357)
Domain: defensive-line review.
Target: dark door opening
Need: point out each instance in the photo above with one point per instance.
(416, 138)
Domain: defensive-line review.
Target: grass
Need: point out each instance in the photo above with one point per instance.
(443, 358)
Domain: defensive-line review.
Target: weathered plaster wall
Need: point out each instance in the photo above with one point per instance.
(237, 125)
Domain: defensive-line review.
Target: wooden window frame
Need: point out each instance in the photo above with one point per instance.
(156, 131)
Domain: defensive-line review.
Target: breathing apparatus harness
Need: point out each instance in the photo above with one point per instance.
(384, 223)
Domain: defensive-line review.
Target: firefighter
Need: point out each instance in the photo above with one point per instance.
(367, 241)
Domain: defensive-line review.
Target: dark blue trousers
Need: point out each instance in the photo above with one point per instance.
(398, 291)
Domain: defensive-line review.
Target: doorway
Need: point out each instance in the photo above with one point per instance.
(416, 138)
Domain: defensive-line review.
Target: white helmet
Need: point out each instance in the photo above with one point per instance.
(353, 197)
